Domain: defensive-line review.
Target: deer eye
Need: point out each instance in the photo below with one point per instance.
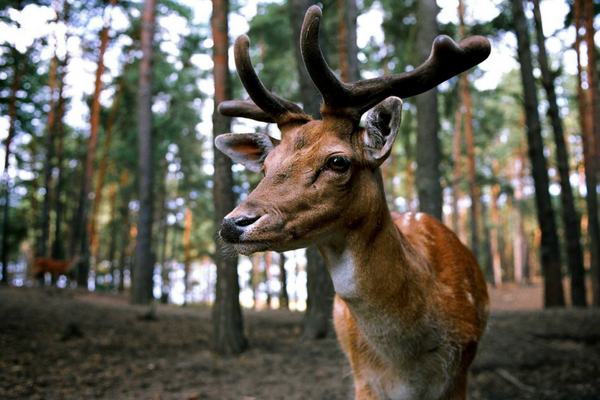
(338, 164)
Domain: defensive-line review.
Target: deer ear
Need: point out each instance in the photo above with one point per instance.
(382, 125)
(248, 149)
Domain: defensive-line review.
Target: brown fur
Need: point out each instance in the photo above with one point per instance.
(412, 302)
(42, 265)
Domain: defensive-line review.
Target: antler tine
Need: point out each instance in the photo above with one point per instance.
(273, 107)
(447, 59)
(244, 108)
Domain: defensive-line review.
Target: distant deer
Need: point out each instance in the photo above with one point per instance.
(411, 302)
(42, 265)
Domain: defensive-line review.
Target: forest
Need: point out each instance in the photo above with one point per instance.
(112, 193)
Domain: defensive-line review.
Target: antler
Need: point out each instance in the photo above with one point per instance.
(265, 106)
(447, 59)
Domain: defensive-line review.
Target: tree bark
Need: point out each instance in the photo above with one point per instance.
(456, 173)
(50, 139)
(103, 163)
(113, 226)
(593, 144)
(320, 293)
(465, 96)
(58, 250)
(428, 145)
(570, 217)
(84, 264)
(590, 160)
(550, 254)
(187, 235)
(268, 262)
(144, 264)
(348, 48)
(228, 325)
(12, 113)
(494, 245)
(284, 298)
(319, 303)
(255, 277)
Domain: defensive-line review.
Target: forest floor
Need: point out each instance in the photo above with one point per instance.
(59, 344)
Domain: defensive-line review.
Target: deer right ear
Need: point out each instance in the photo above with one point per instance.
(382, 125)
(248, 149)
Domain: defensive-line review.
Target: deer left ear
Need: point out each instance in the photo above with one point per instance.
(382, 125)
(248, 149)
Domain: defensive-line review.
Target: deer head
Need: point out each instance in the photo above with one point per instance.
(322, 178)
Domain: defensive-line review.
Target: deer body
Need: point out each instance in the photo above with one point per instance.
(42, 265)
(411, 302)
(417, 335)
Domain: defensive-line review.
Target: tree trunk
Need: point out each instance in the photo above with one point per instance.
(125, 240)
(593, 143)
(12, 113)
(428, 144)
(51, 132)
(103, 163)
(268, 262)
(320, 293)
(228, 325)
(144, 264)
(284, 298)
(570, 217)
(348, 48)
(58, 250)
(465, 96)
(590, 159)
(456, 173)
(187, 235)
(255, 278)
(318, 303)
(84, 264)
(494, 245)
(550, 254)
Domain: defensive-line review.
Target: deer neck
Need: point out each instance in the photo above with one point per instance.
(377, 272)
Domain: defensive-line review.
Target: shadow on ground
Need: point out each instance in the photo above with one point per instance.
(66, 345)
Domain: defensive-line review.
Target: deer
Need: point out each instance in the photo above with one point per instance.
(42, 265)
(411, 301)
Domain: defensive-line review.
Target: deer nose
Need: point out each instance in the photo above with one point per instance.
(233, 228)
(245, 220)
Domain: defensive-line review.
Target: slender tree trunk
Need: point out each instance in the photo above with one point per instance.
(284, 298)
(103, 163)
(113, 226)
(125, 240)
(58, 250)
(465, 96)
(592, 73)
(570, 217)
(187, 247)
(268, 262)
(550, 254)
(255, 278)
(12, 114)
(590, 159)
(84, 264)
(348, 49)
(593, 143)
(494, 243)
(319, 304)
(317, 319)
(144, 264)
(428, 145)
(456, 172)
(228, 325)
(51, 135)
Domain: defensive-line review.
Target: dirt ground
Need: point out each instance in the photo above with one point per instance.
(58, 344)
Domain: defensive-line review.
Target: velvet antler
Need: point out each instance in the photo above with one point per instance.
(447, 59)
